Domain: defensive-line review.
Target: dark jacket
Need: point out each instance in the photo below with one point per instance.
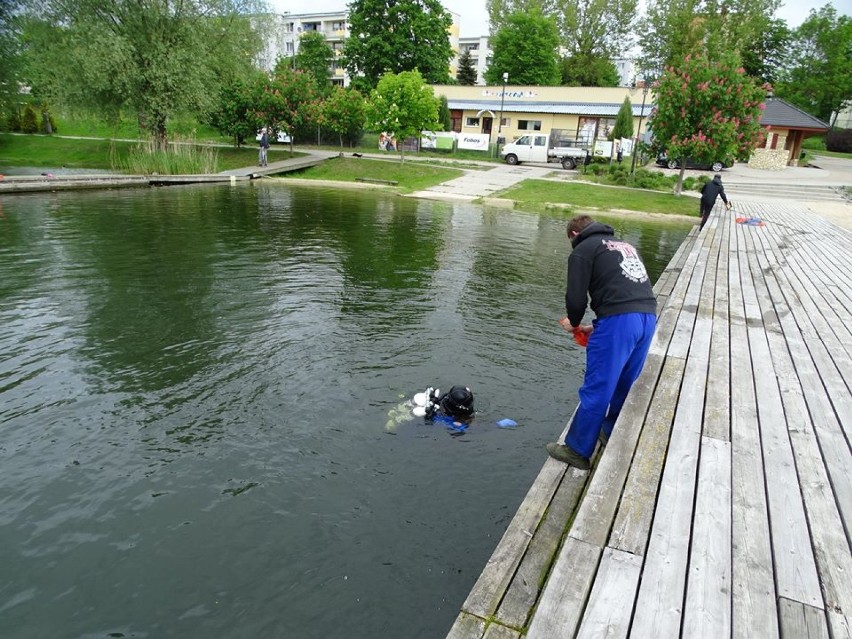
(712, 190)
(264, 141)
(609, 271)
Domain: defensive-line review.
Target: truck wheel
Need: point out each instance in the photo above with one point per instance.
(717, 166)
(568, 164)
(672, 164)
(512, 159)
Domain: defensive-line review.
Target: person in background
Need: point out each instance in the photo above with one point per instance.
(611, 273)
(264, 147)
(709, 193)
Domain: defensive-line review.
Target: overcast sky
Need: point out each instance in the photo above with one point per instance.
(474, 19)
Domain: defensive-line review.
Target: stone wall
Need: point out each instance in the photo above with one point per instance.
(772, 159)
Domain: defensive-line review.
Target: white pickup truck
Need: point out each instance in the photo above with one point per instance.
(535, 147)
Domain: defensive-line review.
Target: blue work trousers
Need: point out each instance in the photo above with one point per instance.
(614, 358)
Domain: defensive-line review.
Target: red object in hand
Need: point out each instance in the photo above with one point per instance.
(581, 336)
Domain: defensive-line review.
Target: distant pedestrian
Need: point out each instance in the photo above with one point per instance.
(264, 147)
(709, 192)
(610, 273)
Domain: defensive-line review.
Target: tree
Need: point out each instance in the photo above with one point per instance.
(588, 71)
(623, 127)
(315, 56)
(403, 104)
(706, 110)
(234, 114)
(444, 118)
(466, 74)
(765, 58)
(395, 36)
(525, 48)
(156, 58)
(595, 29)
(819, 78)
(344, 112)
(9, 50)
(673, 29)
(499, 11)
(288, 101)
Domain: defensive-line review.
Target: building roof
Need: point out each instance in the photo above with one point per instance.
(570, 108)
(783, 114)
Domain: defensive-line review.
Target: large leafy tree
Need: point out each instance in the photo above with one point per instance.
(395, 36)
(499, 11)
(315, 56)
(344, 113)
(466, 74)
(673, 29)
(707, 110)
(403, 104)
(155, 57)
(597, 28)
(525, 48)
(288, 101)
(9, 64)
(819, 76)
(588, 71)
(234, 114)
(765, 57)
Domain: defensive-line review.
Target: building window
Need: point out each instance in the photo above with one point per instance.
(471, 122)
(505, 121)
(529, 125)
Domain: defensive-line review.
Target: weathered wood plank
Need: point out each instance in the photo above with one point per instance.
(489, 589)
(526, 585)
(660, 601)
(496, 631)
(611, 601)
(707, 612)
(717, 418)
(799, 621)
(561, 605)
(467, 627)
(636, 509)
(840, 625)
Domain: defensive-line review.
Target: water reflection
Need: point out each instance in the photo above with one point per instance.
(194, 393)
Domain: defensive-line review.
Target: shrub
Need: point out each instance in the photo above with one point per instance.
(839, 140)
(29, 121)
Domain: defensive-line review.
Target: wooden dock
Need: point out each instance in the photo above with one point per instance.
(721, 506)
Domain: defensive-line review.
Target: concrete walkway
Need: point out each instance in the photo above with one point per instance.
(477, 184)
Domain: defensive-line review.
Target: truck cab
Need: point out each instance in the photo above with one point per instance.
(531, 147)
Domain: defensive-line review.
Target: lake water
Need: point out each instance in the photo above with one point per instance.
(197, 392)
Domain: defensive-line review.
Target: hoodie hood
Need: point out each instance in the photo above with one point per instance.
(595, 228)
(717, 179)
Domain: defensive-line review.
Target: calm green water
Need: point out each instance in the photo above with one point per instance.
(194, 391)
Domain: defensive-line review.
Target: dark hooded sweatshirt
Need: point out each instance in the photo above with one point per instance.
(712, 190)
(610, 272)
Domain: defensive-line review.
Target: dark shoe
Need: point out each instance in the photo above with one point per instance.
(566, 454)
(603, 438)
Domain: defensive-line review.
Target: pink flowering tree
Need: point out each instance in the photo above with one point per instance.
(707, 111)
(288, 101)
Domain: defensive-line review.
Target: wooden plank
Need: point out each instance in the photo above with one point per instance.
(611, 601)
(489, 589)
(753, 595)
(717, 417)
(467, 627)
(526, 585)
(799, 621)
(636, 508)
(839, 625)
(660, 600)
(795, 569)
(561, 605)
(496, 631)
(707, 612)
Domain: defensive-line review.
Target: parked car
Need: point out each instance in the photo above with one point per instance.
(281, 138)
(718, 165)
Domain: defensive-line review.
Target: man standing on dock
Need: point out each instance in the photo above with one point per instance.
(264, 147)
(610, 272)
(709, 192)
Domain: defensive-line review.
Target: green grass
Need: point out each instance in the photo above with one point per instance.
(88, 124)
(52, 151)
(411, 176)
(541, 194)
(832, 154)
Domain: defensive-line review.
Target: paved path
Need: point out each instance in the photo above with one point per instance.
(477, 184)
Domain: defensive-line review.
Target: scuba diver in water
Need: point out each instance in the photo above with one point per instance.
(454, 408)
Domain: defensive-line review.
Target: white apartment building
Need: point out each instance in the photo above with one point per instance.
(286, 29)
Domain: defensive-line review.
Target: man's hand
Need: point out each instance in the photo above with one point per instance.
(566, 324)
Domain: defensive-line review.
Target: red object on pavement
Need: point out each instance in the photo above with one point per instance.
(581, 336)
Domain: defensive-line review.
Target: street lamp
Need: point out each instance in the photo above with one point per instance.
(502, 100)
(641, 115)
